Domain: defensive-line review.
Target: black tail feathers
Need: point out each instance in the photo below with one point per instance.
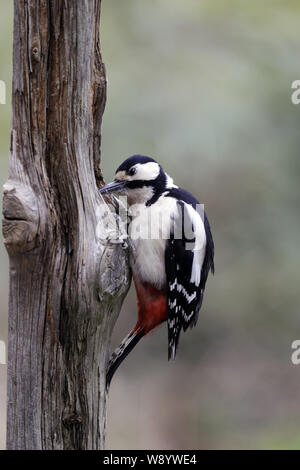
(122, 351)
(173, 343)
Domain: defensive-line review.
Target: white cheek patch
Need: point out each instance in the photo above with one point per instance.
(146, 171)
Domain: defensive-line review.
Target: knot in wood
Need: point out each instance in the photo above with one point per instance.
(72, 420)
(21, 217)
(35, 53)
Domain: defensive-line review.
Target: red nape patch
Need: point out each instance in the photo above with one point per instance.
(152, 306)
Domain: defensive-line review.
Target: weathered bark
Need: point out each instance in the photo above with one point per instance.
(66, 289)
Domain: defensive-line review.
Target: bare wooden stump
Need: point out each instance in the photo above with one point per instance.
(66, 289)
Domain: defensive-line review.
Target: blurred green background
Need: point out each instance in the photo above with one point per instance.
(205, 87)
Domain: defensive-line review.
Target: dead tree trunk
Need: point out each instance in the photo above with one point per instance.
(66, 289)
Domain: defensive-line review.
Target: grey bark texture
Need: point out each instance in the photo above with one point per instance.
(66, 284)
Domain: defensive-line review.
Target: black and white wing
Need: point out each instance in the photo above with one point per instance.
(188, 262)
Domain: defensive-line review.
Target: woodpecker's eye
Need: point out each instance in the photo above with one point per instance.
(132, 171)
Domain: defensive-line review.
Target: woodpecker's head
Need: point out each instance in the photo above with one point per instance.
(139, 178)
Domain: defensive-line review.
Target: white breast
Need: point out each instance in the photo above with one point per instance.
(148, 231)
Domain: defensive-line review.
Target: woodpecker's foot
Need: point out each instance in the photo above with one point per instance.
(111, 240)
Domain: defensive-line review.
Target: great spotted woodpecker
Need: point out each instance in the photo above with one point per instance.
(172, 252)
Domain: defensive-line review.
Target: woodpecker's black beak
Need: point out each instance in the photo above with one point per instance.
(112, 187)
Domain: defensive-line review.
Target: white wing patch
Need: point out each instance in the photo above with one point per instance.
(200, 243)
(196, 271)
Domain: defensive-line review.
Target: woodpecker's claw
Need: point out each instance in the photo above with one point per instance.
(111, 241)
(118, 242)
